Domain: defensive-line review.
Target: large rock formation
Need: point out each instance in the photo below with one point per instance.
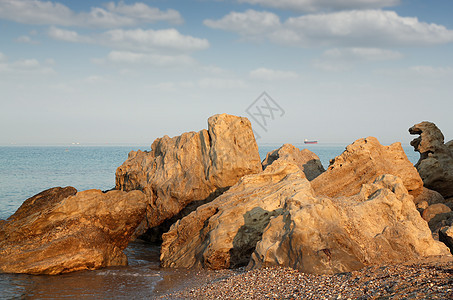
(361, 163)
(436, 158)
(183, 172)
(60, 231)
(224, 232)
(275, 218)
(306, 160)
(321, 235)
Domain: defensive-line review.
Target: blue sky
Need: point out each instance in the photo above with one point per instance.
(100, 72)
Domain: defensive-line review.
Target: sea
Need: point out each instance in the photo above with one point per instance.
(28, 170)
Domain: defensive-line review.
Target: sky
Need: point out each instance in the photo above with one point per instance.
(128, 72)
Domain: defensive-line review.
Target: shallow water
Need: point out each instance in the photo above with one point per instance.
(138, 279)
(26, 171)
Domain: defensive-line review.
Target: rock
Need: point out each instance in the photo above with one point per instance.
(440, 221)
(322, 235)
(306, 160)
(275, 218)
(224, 232)
(446, 236)
(433, 210)
(183, 172)
(436, 158)
(421, 206)
(450, 145)
(361, 163)
(60, 231)
(429, 196)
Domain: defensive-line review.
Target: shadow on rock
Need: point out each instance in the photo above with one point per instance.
(244, 243)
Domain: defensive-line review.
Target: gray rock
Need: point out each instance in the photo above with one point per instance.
(436, 158)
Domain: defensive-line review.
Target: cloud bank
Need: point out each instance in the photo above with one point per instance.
(110, 16)
(355, 28)
(323, 5)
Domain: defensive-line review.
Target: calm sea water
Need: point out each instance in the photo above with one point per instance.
(26, 171)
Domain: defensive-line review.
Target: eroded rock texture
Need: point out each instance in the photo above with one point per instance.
(183, 172)
(306, 160)
(275, 218)
(60, 231)
(361, 163)
(436, 158)
(322, 235)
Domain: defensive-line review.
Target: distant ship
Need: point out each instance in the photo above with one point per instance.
(310, 142)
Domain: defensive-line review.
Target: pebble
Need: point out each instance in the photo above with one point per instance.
(403, 281)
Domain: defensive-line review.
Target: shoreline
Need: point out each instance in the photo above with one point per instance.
(430, 278)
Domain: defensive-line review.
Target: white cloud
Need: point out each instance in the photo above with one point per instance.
(211, 83)
(135, 39)
(323, 5)
(126, 57)
(214, 69)
(357, 28)
(67, 35)
(148, 40)
(166, 86)
(369, 54)
(144, 13)
(24, 67)
(94, 79)
(250, 23)
(50, 61)
(342, 59)
(113, 15)
(26, 40)
(432, 71)
(332, 66)
(269, 74)
(221, 83)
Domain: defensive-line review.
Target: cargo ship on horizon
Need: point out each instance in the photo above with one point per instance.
(310, 142)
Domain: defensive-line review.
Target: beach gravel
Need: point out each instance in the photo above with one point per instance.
(427, 280)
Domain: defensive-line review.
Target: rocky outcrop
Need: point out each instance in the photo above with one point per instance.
(306, 160)
(224, 232)
(361, 163)
(60, 231)
(275, 218)
(321, 235)
(183, 172)
(436, 158)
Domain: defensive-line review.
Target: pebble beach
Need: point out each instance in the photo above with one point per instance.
(421, 280)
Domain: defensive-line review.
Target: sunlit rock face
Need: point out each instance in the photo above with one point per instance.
(306, 160)
(224, 232)
(361, 163)
(185, 171)
(436, 158)
(61, 230)
(276, 218)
